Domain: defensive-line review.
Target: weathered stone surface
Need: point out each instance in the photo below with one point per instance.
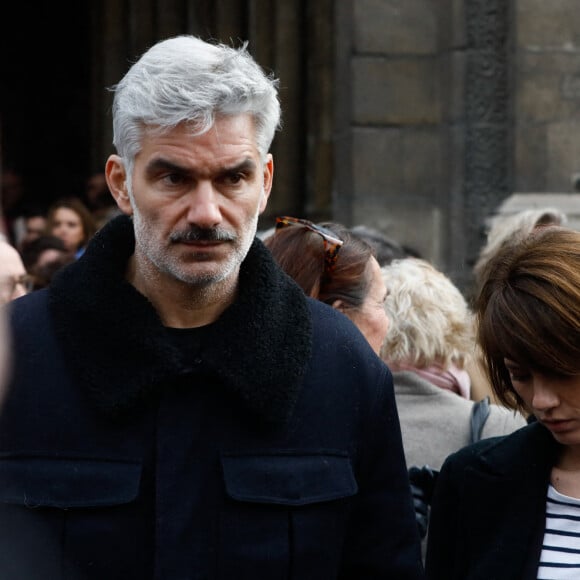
(544, 24)
(396, 91)
(397, 176)
(391, 161)
(563, 145)
(412, 221)
(547, 86)
(453, 70)
(530, 157)
(395, 27)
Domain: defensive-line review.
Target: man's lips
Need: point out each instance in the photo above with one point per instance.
(201, 243)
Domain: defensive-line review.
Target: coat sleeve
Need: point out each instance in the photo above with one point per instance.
(383, 539)
(443, 537)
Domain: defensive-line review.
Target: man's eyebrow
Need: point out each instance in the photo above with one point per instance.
(161, 165)
(245, 166)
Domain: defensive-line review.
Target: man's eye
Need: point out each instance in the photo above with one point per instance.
(233, 178)
(173, 178)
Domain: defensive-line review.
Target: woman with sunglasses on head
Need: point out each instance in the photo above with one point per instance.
(336, 267)
(509, 507)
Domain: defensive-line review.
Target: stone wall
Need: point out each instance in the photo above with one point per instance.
(396, 137)
(447, 108)
(418, 117)
(547, 94)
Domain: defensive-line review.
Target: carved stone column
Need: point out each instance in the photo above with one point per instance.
(488, 150)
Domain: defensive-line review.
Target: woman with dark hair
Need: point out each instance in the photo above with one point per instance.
(70, 220)
(509, 507)
(43, 258)
(336, 267)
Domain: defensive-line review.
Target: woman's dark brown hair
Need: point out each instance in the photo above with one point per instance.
(528, 309)
(300, 253)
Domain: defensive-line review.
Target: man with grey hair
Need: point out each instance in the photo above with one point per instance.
(179, 409)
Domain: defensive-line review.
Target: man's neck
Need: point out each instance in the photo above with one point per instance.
(180, 305)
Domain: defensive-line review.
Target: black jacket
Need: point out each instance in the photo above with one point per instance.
(267, 448)
(489, 508)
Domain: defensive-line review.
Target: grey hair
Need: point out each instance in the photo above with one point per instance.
(511, 229)
(187, 80)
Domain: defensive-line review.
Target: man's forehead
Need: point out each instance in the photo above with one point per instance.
(222, 148)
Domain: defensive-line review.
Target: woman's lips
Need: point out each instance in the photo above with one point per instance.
(558, 425)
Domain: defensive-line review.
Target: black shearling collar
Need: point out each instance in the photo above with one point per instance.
(116, 345)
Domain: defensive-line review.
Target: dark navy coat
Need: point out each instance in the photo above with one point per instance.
(264, 446)
(489, 508)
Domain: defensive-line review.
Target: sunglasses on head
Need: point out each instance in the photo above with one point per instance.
(331, 242)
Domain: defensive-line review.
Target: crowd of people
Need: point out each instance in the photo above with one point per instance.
(318, 402)
(50, 236)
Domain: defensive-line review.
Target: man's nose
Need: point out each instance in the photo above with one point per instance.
(204, 209)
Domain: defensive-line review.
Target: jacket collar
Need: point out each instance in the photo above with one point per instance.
(528, 453)
(506, 501)
(116, 344)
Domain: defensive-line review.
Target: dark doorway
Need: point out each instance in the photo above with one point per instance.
(44, 96)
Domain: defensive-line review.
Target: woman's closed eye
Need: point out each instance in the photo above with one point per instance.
(517, 372)
(519, 376)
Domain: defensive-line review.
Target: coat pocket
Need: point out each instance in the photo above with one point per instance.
(286, 514)
(67, 483)
(58, 516)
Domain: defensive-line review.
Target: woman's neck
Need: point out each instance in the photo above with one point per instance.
(565, 475)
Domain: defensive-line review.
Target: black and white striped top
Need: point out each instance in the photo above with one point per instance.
(560, 557)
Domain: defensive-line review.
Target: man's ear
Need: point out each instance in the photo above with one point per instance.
(117, 181)
(267, 183)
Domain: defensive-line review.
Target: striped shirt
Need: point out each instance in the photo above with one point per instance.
(560, 557)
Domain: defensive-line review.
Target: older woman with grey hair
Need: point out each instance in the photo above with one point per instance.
(506, 230)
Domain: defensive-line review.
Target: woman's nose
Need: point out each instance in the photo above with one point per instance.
(544, 395)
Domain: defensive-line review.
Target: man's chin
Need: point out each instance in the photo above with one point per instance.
(203, 276)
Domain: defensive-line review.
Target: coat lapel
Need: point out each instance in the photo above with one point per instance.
(506, 504)
(116, 345)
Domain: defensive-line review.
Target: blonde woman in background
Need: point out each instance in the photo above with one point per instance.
(429, 341)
